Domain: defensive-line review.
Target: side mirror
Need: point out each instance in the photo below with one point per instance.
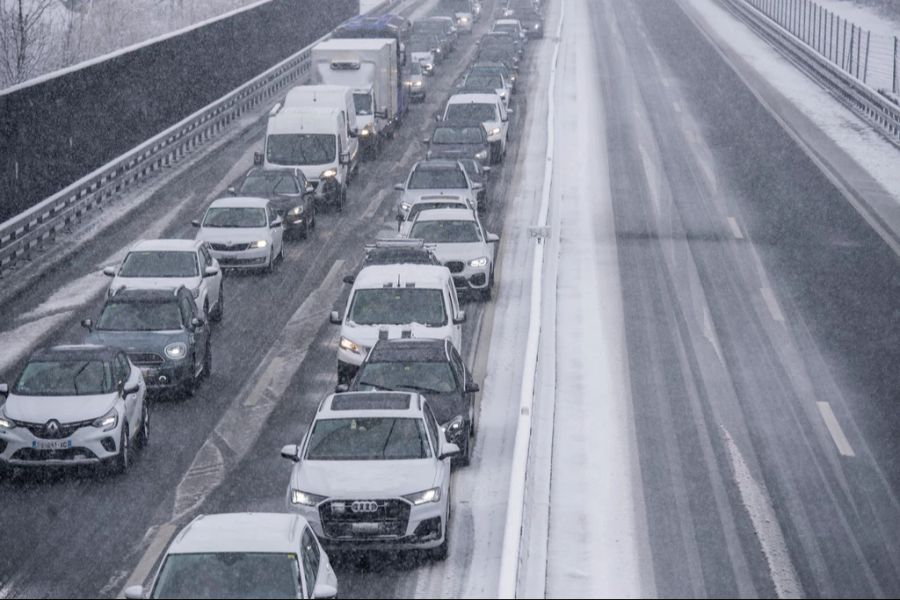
(4, 389)
(195, 223)
(210, 272)
(438, 118)
(291, 452)
(134, 592)
(335, 317)
(449, 450)
(477, 186)
(133, 389)
(310, 188)
(472, 387)
(276, 223)
(109, 271)
(426, 140)
(258, 158)
(460, 318)
(345, 158)
(353, 133)
(197, 322)
(493, 238)
(400, 187)
(232, 190)
(341, 388)
(324, 590)
(87, 324)
(349, 279)
(510, 111)
(453, 431)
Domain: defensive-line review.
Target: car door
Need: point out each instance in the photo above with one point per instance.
(504, 121)
(462, 378)
(196, 335)
(309, 561)
(213, 284)
(277, 233)
(125, 377)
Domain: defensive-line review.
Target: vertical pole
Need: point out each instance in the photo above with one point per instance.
(858, 49)
(894, 77)
(843, 44)
(866, 63)
(850, 56)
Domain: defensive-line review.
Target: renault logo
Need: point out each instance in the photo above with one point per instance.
(52, 428)
(364, 506)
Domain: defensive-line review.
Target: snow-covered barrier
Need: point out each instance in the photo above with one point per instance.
(875, 107)
(105, 117)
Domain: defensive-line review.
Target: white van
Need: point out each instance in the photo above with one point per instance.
(315, 140)
(340, 97)
(395, 301)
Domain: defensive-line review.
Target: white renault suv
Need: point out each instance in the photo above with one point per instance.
(373, 471)
(168, 264)
(74, 405)
(243, 555)
(394, 301)
(459, 240)
(243, 233)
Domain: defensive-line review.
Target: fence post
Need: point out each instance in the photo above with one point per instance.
(866, 63)
(843, 44)
(894, 77)
(858, 49)
(852, 40)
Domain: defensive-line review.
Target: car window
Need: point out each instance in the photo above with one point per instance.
(423, 178)
(457, 363)
(228, 575)
(398, 306)
(187, 309)
(368, 438)
(207, 257)
(309, 553)
(434, 428)
(123, 368)
(446, 232)
(225, 216)
(65, 378)
(412, 375)
(159, 263)
(481, 112)
(140, 316)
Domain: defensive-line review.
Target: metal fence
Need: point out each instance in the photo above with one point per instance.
(870, 58)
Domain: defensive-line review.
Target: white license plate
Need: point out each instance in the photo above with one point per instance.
(366, 528)
(51, 444)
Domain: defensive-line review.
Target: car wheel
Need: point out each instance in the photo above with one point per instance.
(307, 228)
(313, 212)
(270, 267)
(190, 384)
(219, 312)
(143, 439)
(465, 457)
(123, 459)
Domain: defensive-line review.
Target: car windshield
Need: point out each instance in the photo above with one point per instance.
(229, 575)
(363, 103)
(224, 216)
(446, 232)
(416, 376)
(159, 264)
(437, 179)
(420, 206)
(398, 306)
(506, 28)
(428, 27)
(473, 112)
(384, 438)
(140, 316)
(484, 80)
(268, 184)
(300, 149)
(65, 378)
(422, 45)
(457, 135)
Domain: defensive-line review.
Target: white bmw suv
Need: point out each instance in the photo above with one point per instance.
(373, 471)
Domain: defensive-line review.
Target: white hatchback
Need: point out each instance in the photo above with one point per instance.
(243, 233)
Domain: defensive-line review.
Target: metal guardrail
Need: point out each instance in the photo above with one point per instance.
(27, 232)
(877, 109)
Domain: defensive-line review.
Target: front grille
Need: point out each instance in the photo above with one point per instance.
(455, 266)
(460, 282)
(229, 248)
(146, 359)
(38, 430)
(34, 455)
(392, 517)
(226, 261)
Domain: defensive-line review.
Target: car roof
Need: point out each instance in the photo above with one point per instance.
(240, 202)
(446, 214)
(166, 245)
(422, 276)
(353, 43)
(346, 405)
(436, 163)
(292, 119)
(400, 255)
(240, 532)
(507, 22)
(474, 99)
(125, 294)
(75, 352)
(409, 350)
(457, 125)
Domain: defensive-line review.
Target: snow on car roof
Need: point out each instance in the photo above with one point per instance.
(240, 202)
(166, 245)
(240, 532)
(507, 22)
(353, 43)
(424, 276)
(367, 404)
(446, 214)
(474, 99)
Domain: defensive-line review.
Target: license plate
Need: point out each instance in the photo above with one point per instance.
(366, 528)
(51, 444)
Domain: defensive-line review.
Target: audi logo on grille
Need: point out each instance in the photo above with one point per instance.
(367, 506)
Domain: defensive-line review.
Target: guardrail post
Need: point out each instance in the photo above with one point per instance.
(866, 63)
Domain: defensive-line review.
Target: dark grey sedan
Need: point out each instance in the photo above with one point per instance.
(289, 194)
(456, 141)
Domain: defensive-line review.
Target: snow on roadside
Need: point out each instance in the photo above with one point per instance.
(864, 16)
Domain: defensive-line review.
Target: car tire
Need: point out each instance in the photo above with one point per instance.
(143, 439)
(270, 267)
(122, 461)
(219, 312)
(190, 384)
(313, 212)
(465, 458)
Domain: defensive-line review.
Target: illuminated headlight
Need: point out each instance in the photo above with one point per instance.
(365, 132)
(305, 498)
(417, 84)
(537, 25)
(479, 263)
(494, 131)
(350, 346)
(176, 351)
(432, 495)
(404, 206)
(108, 421)
(297, 210)
(328, 173)
(512, 78)
(481, 155)
(408, 83)
(464, 19)
(259, 244)
(5, 422)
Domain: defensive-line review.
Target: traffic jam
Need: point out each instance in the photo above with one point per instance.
(373, 469)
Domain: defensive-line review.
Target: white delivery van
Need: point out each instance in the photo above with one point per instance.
(340, 97)
(369, 67)
(315, 140)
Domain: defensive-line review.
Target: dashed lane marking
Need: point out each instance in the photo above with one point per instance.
(772, 304)
(834, 428)
(735, 228)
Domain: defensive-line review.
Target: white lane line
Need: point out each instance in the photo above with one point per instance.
(374, 205)
(735, 228)
(772, 304)
(154, 550)
(765, 522)
(834, 428)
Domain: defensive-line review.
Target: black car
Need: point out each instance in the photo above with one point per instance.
(289, 194)
(502, 39)
(430, 367)
(455, 140)
(478, 173)
(495, 67)
(162, 331)
(495, 54)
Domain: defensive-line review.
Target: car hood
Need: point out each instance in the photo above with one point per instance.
(463, 252)
(367, 335)
(155, 283)
(137, 341)
(237, 235)
(65, 409)
(366, 479)
(455, 150)
(285, 203)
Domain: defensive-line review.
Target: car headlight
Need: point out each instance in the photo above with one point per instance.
(479, 263)
(328, 173)
(432, 495)
(404, 206)
(350, 346)
(305, 498)
(407, 83)
(494, 131)
(537, 25)
(481, 155)
(417, 84)
(259, 244)
(108, 421)
(6, 422)
(297, 210)
(365, 132)
(176, 351)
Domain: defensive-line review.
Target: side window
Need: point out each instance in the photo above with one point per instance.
(187, 311)
(205, 256)
(123, 369)
(433, 427)
(454, 302)
(309, 552)
(457, 363)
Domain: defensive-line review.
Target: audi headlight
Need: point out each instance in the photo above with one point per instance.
(350, 346)
(479, 263)
(481, 155)
(259, 244)
(305, 498)
(432, 495)
(494, 131)
(297, 210)
(6, 422)
(176, 351)
(108, 421)
(328, 173)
